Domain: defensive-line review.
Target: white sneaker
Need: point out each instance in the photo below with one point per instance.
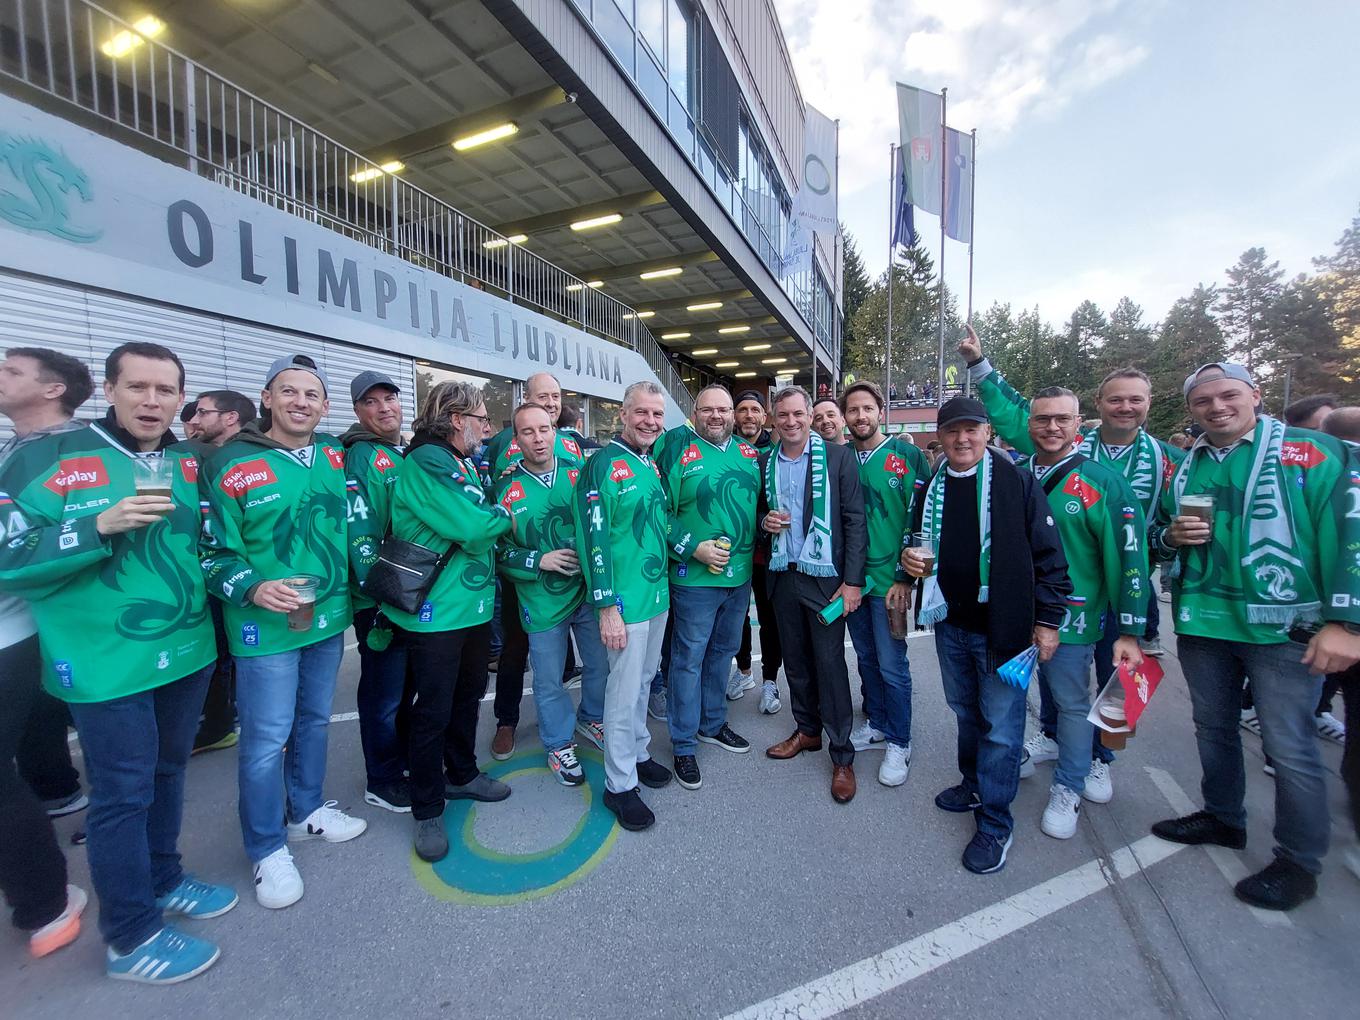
(769, 697)
(1041, 748)
(1248, 721)
(327, 823)
(1331, 728)
(1099, 787)
(277, 882)
(893, 771)
(1060, 817)
(866, 738)
(1351, 858)
(739, 683)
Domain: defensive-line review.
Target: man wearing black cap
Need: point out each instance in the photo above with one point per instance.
(373, 455)
(998, 584)
(750, 426)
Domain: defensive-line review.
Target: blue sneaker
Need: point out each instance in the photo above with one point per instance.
(197, 900)
(166, 958)
(985, 854)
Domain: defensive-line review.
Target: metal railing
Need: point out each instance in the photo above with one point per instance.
(77, 52)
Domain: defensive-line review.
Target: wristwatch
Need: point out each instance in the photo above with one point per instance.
(1353, 628)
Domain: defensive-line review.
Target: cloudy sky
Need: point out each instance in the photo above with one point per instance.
(1124, 146)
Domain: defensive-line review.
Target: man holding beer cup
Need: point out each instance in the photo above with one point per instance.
(1262, 526)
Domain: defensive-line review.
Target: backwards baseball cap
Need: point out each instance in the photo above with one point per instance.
(1214, 372)
(750, 395)
(302, 363)
(188, 411)
(365, 381)
(961, 409)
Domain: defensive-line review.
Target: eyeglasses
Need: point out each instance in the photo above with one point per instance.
(1045, 420)
(206, 410)
(481, 417)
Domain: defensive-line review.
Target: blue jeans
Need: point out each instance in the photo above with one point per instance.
(136, 748)
(1286, 695)
(382, 695)
(705, 636)
(884, 673)
(1067, 677)
(284, 701)
(991, 718)
(1104, 656)
(548, 656)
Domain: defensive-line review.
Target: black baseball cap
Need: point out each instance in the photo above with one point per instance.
(189, 410)
(961, 409)
(365, 381)
(750, 395)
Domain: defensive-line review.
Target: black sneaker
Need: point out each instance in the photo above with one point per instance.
(958, 799)
(687, 772)
(1281, 885)
(389, 796)
(1201, 827)
(632, 814)
(985, 854)
(652, 773)
(728, 739)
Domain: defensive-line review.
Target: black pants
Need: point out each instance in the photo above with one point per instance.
(514, 656)
(44, 753)
(448, 669)
(219, 706)
(32, 868)
(819, 683)
(1349, 682)
(770, 652)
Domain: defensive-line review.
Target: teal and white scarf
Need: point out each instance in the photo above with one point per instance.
(1275, 582)
(815, 557)
(1144, 469)
(934, 608)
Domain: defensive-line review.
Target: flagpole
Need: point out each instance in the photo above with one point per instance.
(892, 212)
(972, 226)
(939, 392)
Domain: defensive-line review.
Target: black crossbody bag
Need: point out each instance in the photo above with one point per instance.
(404, 574)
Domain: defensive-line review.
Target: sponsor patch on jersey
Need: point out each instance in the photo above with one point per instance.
(747, 450)
(1340, 600)
(572, 475)
(245, 476)
(382, 463)
(571, 446)
(77, 473)
(619, 471)
(512, 495)
(894, 465)
(513, 448)
(68, 541)
(1083, 491)
(1301, 453)
(63, 670)
(188, 467)
(250, 635)
(426, 614)
(690, 455)
(681, 570)
(336, 457)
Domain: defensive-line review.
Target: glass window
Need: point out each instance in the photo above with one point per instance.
(584, 5)
(604, 419)
(681, 126)
(616, 30)
(651, 23)
(499, 393)
(652, 81)
(679, 50)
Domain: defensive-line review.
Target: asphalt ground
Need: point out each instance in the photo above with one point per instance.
(755, 895)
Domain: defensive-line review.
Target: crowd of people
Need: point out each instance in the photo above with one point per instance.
(181, 596)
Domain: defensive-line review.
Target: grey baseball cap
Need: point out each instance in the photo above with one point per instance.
(301, 362)
(1224, 369)
(365, 381)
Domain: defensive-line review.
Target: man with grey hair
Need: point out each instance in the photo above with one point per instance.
(812, 509)
(621, 531)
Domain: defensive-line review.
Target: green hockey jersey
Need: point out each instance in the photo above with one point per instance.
(1104, 536)
(502, 453)
(274, 512)
(371, 468)
(545, 520)
(439, 500)
(116, 614)
(621, 532)
(711, 491)
(893, 474)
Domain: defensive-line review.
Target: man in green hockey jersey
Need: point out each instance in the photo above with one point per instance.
(1104, 537)
(892, 473)
(1262, 525)
(113, 581)
(621, 535)
(373, 453)
(541, 561)
(501, 454)
(712, 481)
(274, 551)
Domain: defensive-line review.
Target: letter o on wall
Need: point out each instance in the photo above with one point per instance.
(175, 217)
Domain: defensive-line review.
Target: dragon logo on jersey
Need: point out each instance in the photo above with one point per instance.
(1279, 582)
(1082, 490)
(246, 476)
(77, 473)
(52, 180)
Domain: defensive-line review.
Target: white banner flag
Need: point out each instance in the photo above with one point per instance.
(919, 115)
(814, 204)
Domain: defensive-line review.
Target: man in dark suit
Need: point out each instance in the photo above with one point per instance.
(812, 512)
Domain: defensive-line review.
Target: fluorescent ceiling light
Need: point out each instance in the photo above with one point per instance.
(608, 220)
(482, 137)
(705, 351)
(745, 375)
(657, 274)
(593, 284)
(704, 306)
(756, 347)
(124, 42)
(501, 242)
(726, 364)
(394, 166)
(638, 315)
(674, 336)
(734, 329)
(773, 361)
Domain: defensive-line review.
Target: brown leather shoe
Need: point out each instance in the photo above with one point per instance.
(843, 783)
(795, 745)
(503, 743)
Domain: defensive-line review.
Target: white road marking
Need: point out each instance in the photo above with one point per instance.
(1227, 862)
(859, 982)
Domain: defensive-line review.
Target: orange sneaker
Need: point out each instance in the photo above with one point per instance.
(64, 929)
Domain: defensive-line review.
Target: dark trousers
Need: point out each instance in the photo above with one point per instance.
(1349, 682)
(514, 657)
(136, 749)
(383, 702)
(32, 868)
(448, 668)
(819, 683)
(44, 753)
(771, 657)
(219, 706)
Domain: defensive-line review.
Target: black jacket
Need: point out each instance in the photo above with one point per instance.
(1029, 583)
(849, 537)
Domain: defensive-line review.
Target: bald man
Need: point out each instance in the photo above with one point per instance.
(501, 456)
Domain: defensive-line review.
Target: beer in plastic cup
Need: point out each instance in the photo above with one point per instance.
(924, 542)
(154, 476)
(781, 510)
(300, 619)
(1200, 506)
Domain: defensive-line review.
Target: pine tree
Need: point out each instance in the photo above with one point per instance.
(1074, 353)
(1128, 340)
(1305, 345)
(855, 285)
(1253, 285)
(914, 311)
(1338, 284)
(1188, 338)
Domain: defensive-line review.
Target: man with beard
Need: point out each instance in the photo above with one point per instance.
(828, 422)
(711, 480)
(750, 426)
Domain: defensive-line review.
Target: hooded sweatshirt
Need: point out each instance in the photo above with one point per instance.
(273, 512)
(372, 465)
